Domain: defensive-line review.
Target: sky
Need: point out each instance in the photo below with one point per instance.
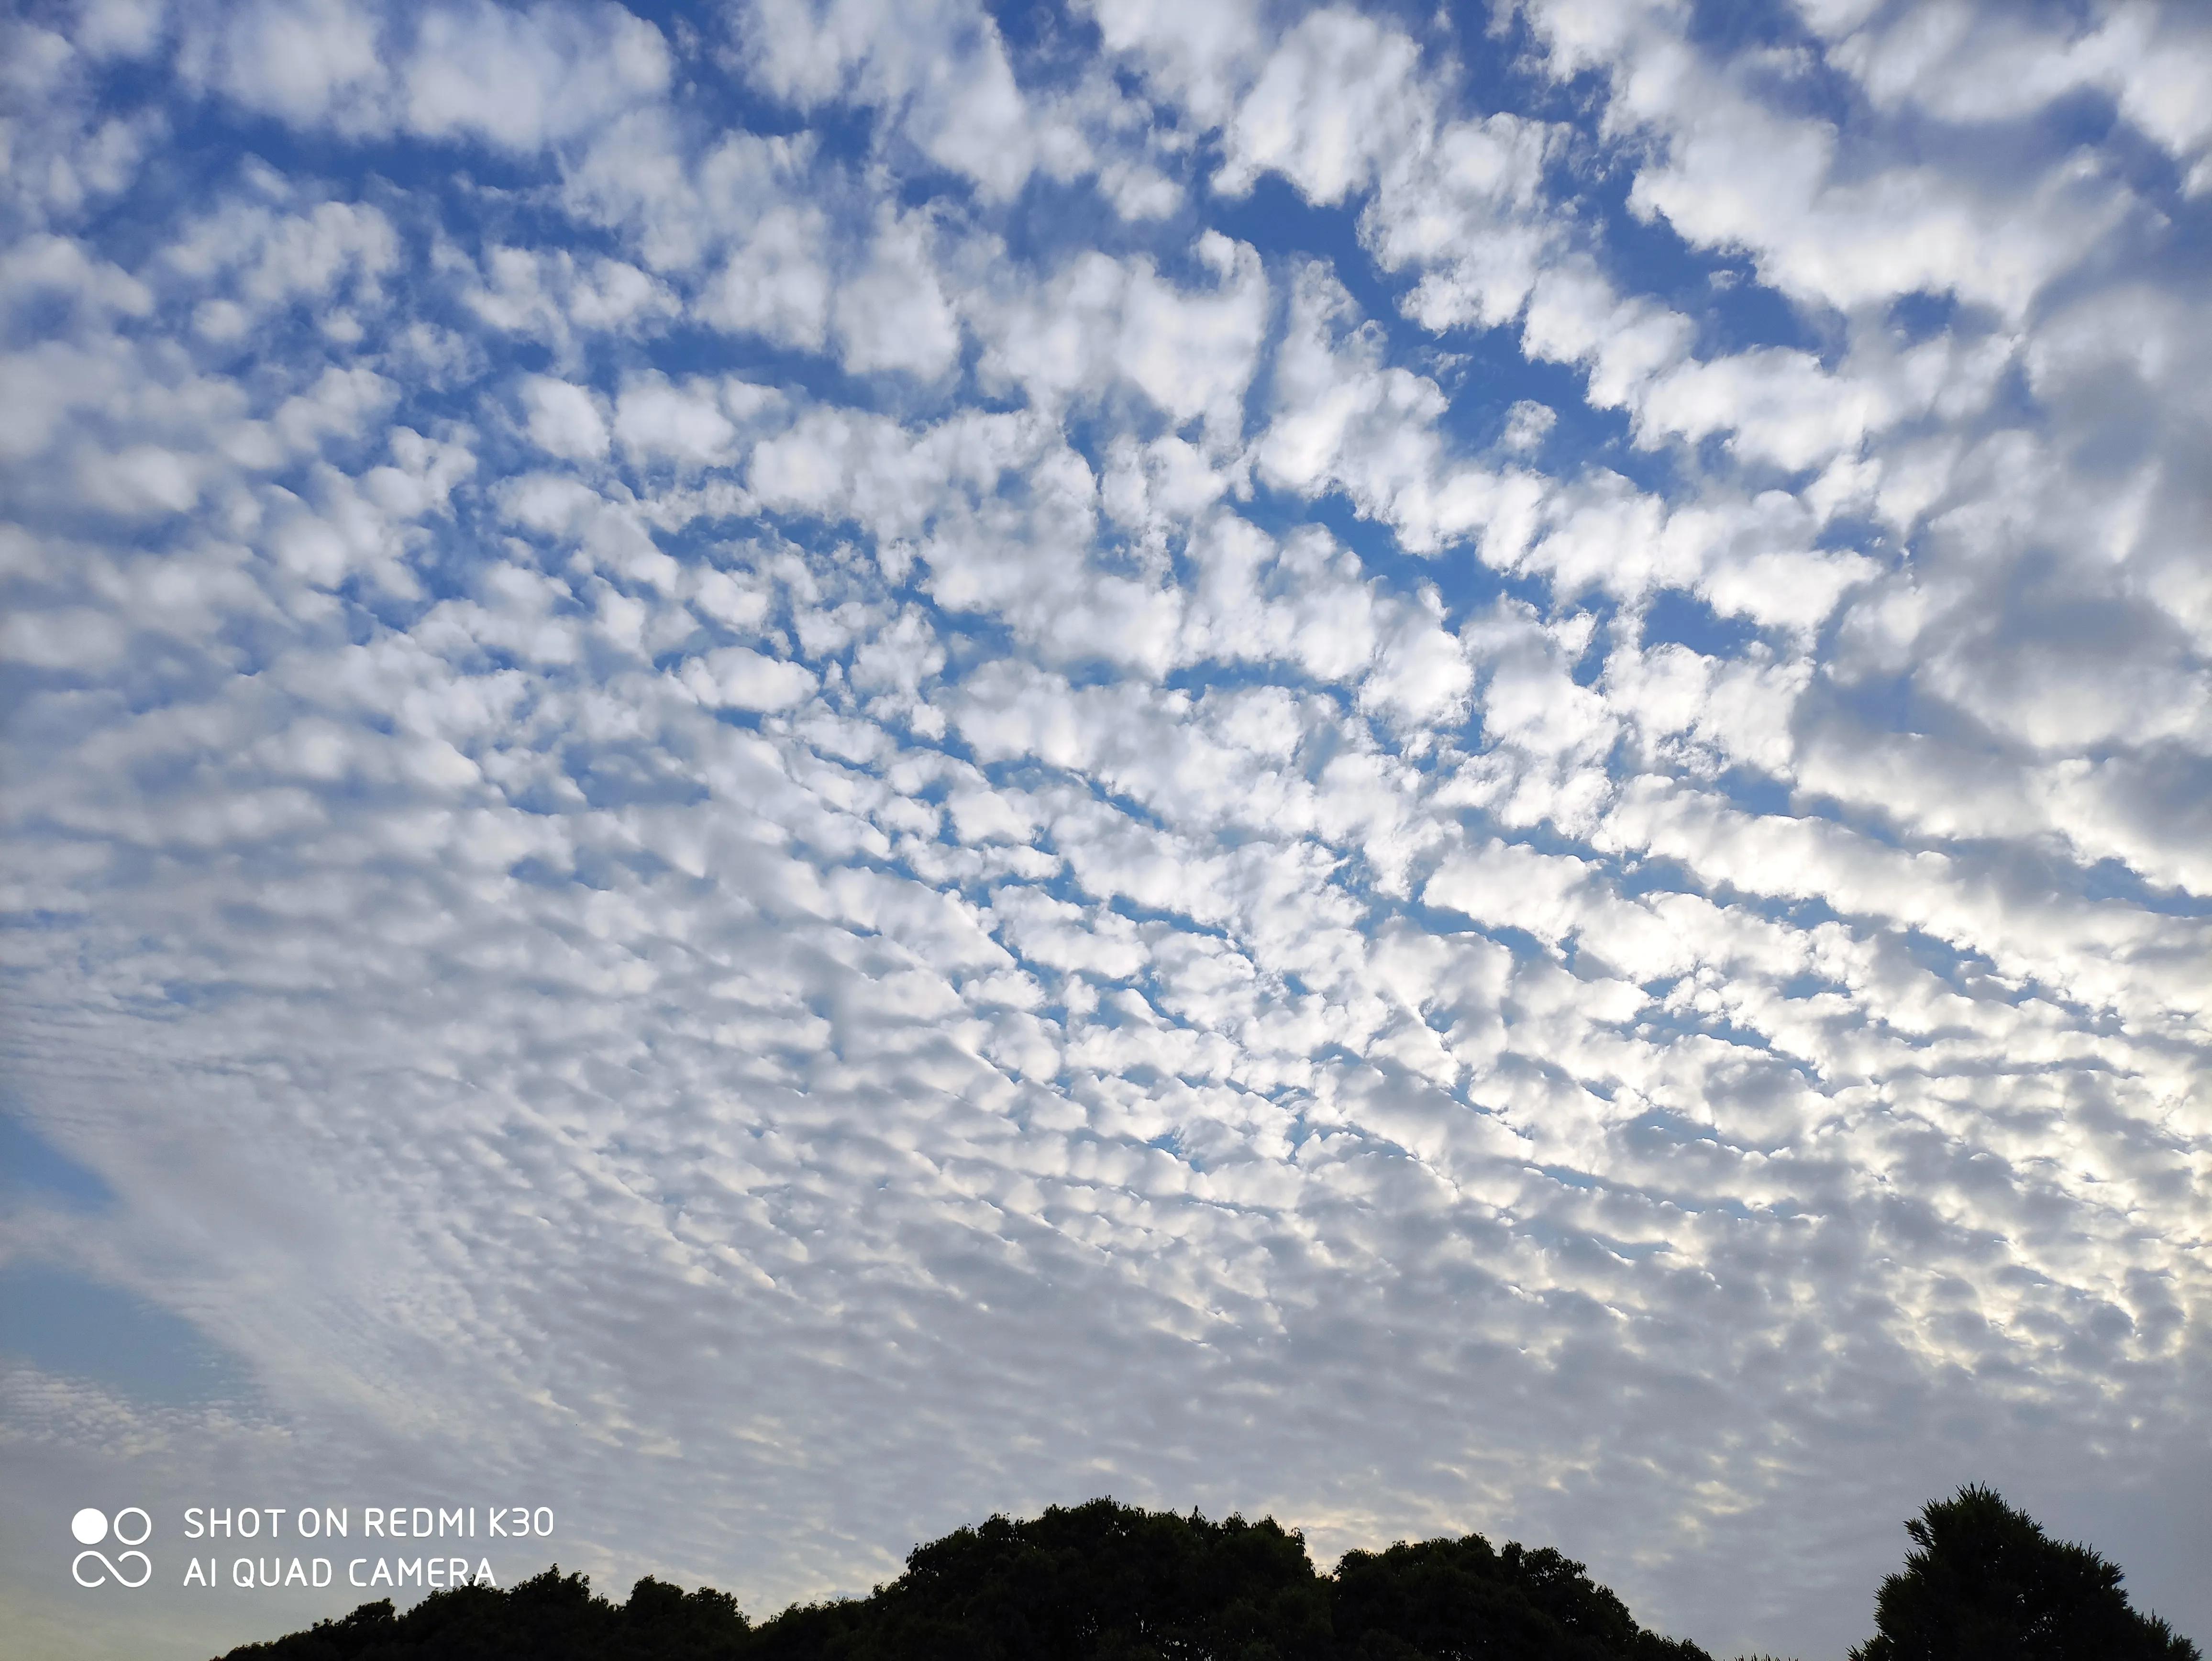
(780, 773)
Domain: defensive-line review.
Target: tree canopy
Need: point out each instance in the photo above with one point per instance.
(1108, 1582)
(1096, 1582)
(1984, 1583)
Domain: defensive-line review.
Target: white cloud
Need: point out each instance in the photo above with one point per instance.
(119, 29)
(302, 60)
(1466, 207)
(1338, 93)
(519, 78)
(854, 822)
(736, 677)
(1526, 424)
(1344, 419)
(892, 314)
(775, 283)
(552, 294)
(47, 267)
(1844, 220)
(654, 418)
(564, 419)
(1969, 63)
(332, 250)
(1191, 352)
(940, 67)
(1202, 55)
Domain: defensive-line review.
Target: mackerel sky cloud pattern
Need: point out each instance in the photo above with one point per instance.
(783, 772)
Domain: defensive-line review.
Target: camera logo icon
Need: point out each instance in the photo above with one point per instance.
(90, 1526)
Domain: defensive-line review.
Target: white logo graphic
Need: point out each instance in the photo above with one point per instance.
(91, 1527)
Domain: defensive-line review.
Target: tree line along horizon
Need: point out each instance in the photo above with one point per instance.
(1103, 1581)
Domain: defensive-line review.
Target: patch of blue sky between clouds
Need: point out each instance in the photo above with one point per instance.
(33, 1170)
(836, 765)
(62, 1323)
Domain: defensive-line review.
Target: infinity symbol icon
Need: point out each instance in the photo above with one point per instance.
(145, 1569)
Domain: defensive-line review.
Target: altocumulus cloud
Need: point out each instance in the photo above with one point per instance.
(780, 773)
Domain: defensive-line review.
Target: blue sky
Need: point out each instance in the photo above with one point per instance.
(798, 769)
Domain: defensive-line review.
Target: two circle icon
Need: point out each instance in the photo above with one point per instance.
(90, 1526)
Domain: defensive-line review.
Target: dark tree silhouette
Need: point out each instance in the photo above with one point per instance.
(549, 1617)
(1098, 1582)
(1106, 1581)
(1986, 1583)
(1459, 1598)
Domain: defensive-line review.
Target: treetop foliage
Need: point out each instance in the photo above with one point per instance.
(1984, 1583)
(1096, 1582)
(1108, 1582)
